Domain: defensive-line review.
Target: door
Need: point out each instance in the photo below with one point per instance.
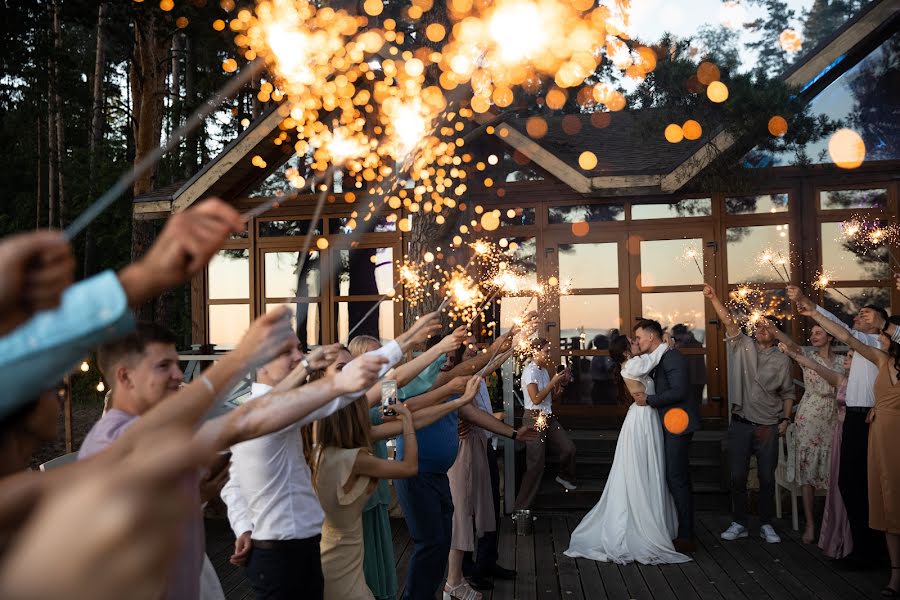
(615, 279)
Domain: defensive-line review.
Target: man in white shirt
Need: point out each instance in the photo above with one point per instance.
(272, 507)
(853, 476)
(539, 390)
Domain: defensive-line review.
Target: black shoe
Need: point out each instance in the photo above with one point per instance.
(480, 583)
(499, 572)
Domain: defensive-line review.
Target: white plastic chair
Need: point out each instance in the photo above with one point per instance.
(59, 461)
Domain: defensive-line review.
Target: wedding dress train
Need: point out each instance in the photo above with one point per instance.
(635, 519)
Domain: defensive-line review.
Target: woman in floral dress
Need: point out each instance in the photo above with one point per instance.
(814, 422)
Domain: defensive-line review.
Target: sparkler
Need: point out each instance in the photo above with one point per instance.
(823, 280)
(541, 422)
(770, 257)
(870, 236)
(691, 253)
(142, 167)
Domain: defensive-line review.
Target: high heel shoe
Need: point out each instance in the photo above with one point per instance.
(460, 592)
(889, 592)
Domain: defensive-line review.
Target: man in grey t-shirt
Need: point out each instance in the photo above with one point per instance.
(761, 395)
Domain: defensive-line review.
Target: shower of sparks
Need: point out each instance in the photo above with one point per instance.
(823, 280)
(771, 258)
(416, 285)
(870, 237)
(691, 253)
(748, 304)
(462, 294)
(542, 422)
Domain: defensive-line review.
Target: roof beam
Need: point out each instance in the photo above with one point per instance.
(545, 159)
(197, 187)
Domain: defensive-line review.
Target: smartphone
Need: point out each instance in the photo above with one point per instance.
(388, 397)
(560, 368)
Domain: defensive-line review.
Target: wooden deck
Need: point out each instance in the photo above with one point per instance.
(746, 569)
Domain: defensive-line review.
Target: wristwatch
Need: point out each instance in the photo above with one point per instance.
(305, 364)
(515, 433)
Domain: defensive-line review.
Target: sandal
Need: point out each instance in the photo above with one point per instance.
(889, 592)
(460, 592)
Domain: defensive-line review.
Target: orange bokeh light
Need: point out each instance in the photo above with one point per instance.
(692, 130)
(846, 148)
(676, 421)
(778, 126)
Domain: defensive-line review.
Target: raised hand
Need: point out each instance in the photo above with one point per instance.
(37, 267)
(457, 385)
(527, 434)
(451, 342)
(361, 373)
(803, 303)
(268, 337)
(472, 386)
(785, 349)
(422, 329)
(323, 356)
(708, 292)
(402, 411)
(184, 247)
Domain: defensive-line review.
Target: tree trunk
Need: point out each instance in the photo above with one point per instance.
(96, 129)
(424, 236)
(254, 99)
(175, 87)
(148, 88)
(53, 157)
(60, 122)
(40, 174)
(190, 158)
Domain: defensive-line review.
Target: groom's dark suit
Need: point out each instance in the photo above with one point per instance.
(673, 391)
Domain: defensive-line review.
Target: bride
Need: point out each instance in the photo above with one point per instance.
(635, 519)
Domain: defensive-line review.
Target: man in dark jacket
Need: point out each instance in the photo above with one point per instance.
(672, 393)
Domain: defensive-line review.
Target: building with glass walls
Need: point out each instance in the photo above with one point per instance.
(620, 235)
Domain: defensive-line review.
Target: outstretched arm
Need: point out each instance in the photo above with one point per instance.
(833, 378)
(426, 416)
(842, 333)
(732, 329)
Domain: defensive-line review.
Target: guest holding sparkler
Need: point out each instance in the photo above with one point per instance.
(883, 420)
(861, 381)
(539, 390)
(761, 395)
(426, 499)
(814, 421)
(835, 539)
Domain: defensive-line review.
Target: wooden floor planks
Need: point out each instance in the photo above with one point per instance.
(746, 569)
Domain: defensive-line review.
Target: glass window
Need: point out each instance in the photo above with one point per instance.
(282, 277)
(309, 330)
(593, 381)
(582, 317)
(590, 213)
(842, 308)
(658, 267)
(743, 205)
(844, 260)
(689, 207)
(853, 199)
(580, 264)
(380, 323)
(683, 313)
(364, 272)
(761, 301)
(746, 245)
(516, 216)
(229, 275)
(353, 224)
(227, 323)
(288, 228)
(513, 307)
(521, 255)
(856, 100)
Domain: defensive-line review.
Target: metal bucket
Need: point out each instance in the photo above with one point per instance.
(524, 522)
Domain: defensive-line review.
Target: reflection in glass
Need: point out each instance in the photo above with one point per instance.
(845, 311)
(227, 323)
(229, 275)
(853, 199)
(364, 272)
(682, 310)
(741, 205)
(688, 207)
(746, 244)
(589, 265)
(287, 228)
(844, 260)
(379, 324)
(516, 216)
(309, 330)
(281, 275)
(662, 263)
(586, 212)
(349, 225)
(583, 317)
(584, 389)
(521, 255)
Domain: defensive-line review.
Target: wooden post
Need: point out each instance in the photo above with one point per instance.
(67, 414)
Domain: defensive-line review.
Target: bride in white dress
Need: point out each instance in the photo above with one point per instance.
(635, 519)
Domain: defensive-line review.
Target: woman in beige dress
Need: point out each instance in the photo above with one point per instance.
(345, 473)
(884, 437)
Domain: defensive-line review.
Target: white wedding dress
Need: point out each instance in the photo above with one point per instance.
(635, 519)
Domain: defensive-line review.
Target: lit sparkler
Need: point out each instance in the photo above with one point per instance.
(692, 253)
(772, 258)
(870, 237)
(823, 280)
(542, 421)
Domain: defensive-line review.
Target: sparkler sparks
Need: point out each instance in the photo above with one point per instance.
(692, 253)
(823, 280)
(775, 259)
(871, 237)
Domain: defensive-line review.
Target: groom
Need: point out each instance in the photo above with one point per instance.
(673, 391)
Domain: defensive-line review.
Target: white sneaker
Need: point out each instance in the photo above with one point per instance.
(570, 487)
(734, 532)
(767, 532)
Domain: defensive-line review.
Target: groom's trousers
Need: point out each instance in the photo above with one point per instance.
(678, 478)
